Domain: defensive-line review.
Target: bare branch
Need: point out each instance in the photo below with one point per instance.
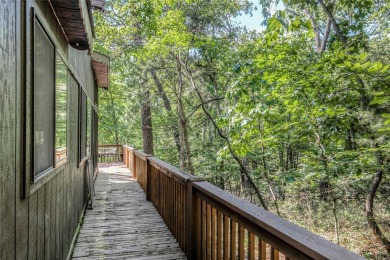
(316, 30)
(326, 35)
(336, 27)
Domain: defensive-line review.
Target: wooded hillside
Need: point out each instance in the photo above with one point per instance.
(295, 118)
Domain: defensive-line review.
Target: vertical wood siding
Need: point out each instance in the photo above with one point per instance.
(7, 129)
(42, 225)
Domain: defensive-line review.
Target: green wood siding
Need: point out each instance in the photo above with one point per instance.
(42, 224)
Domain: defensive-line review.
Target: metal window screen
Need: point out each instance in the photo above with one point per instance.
(43, 101)
(83, 124)
(61, 109)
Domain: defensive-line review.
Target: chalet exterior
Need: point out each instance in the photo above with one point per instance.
(49, 79)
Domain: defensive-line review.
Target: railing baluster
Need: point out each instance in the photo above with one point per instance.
(197, 226)
(219, 235)
(226, 236)
(213, 233)
(208, 231)
(204, 234)
(262, 250)
(241, 243)
(274, 254)
(251, 246)
(233, 239)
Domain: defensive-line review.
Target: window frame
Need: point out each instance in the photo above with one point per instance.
(65, 159)
(88, 105)
(37, 176)
(32, 182)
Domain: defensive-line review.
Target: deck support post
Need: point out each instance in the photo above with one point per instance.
(190, 217)
(148, 179)
(189, 212)
(134, 168)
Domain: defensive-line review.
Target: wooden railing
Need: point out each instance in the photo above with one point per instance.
(110, 153)
(210, 223)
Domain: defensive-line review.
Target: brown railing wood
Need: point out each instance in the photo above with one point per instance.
(210, 223)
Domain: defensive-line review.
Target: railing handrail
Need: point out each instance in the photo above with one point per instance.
(167, 168)
(305, 241)
(109, 145)
(109, 153)
(282, 235)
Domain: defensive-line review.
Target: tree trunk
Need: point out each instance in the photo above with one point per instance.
(114, 118)
(231, 150)
(167, 105)
(336, 221)
(147, 129)
(372, 223)
(185, 150)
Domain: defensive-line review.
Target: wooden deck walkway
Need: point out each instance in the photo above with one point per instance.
(123, 225)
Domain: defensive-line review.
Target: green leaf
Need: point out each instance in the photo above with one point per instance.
(386, 115)
(378, 100)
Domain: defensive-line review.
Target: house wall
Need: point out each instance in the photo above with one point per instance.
(39, 222)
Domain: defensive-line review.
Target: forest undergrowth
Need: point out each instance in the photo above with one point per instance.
(294, 117)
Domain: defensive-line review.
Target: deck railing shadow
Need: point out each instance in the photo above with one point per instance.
(210, 223)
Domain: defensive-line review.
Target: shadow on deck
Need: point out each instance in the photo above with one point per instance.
(123, 224)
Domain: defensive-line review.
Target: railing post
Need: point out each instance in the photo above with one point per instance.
(134, 168)
(189, 211)
(190, 216)
(148, 179)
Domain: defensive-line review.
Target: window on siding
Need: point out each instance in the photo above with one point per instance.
(44, 91)
(50, 104)
(61, 109)
(83, 125)
(89, 114)
(85, 114)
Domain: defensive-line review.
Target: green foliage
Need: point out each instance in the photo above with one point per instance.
(301, 117)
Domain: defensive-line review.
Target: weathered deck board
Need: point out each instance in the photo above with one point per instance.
(123, 225)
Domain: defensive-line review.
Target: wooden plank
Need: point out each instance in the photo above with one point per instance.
(251, 246)
(52, 228)
(219, 235)
(41, 223)
(233, 239)
(21, 236)
(166, 168)
(241, 243)
(226, 236)
(213, 233)
(57, 216)
(204, 234)
(262, 250)
(123, 224)
(61, 211)
(66, 216)
(208, 231)
(274, 254)
(7, 129)
(48, 234)
(32, 226)
(197, 227)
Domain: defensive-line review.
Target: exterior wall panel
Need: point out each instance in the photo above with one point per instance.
(7, 129)
(40, 225)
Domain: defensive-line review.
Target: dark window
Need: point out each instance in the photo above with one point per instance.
(50, 104)
(44, 56)
(61, 109)
(83, 124)
(89, 115)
